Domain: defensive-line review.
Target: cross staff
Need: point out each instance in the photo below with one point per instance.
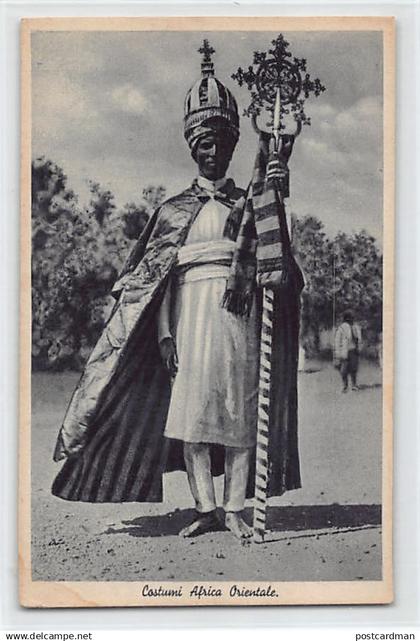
(276, 85)
(264, 389)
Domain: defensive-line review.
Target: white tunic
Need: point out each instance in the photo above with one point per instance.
(214, 394)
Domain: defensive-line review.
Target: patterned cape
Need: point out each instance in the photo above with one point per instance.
(112, 434)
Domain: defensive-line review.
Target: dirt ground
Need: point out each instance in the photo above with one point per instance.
(328, 530)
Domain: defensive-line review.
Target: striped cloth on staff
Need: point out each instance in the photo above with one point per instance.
(258, 257)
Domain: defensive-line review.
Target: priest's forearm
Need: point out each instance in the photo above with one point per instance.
(164, 327)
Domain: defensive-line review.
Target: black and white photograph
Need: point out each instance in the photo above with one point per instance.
(206, 387)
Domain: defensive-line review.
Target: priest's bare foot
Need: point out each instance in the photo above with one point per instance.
(205, 522)
(235, 523)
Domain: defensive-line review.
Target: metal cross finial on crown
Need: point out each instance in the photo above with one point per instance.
(278, 75)
(207, 66)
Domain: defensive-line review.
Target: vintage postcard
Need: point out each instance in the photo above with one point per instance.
(207, 311)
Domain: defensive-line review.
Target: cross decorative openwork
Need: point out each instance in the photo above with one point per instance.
(278, 70)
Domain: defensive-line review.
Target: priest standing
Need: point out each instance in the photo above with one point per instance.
(173, 380)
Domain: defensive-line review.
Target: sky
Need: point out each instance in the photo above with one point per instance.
(108, 107)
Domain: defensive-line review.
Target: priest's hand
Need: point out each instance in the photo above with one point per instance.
(277, 163)
(277, 170)
(169, 355)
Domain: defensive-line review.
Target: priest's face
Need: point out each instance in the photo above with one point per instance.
(213, 153)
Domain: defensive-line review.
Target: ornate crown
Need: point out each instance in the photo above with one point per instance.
(209, 98)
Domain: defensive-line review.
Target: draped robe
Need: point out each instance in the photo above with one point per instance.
(112, 434)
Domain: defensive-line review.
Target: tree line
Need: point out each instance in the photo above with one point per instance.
(77, 253)
(342, 273)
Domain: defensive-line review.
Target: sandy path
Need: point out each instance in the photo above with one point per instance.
(328, 530)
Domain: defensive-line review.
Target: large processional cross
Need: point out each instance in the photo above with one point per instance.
(279, 86)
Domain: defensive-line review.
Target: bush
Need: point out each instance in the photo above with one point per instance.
(76, 256)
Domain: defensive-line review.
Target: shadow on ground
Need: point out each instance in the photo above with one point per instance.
(372, 386)
(279, 519)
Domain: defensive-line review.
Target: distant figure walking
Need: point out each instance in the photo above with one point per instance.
(348, 340)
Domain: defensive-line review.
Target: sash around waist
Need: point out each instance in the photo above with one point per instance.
(201, 261)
